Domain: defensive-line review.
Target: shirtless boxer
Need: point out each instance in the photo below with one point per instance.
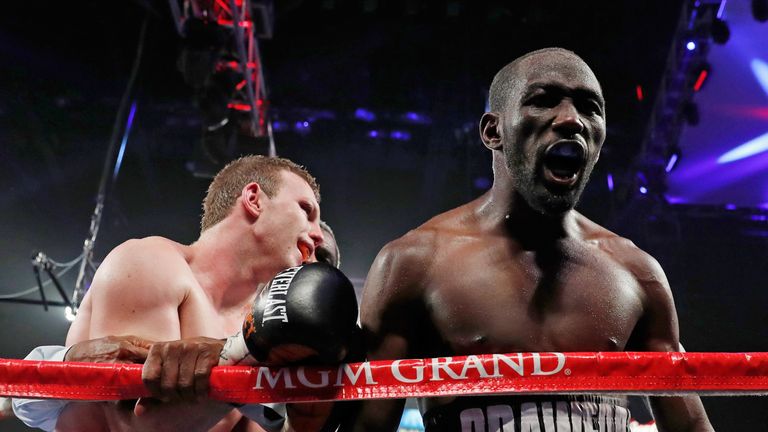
(260, 216)
(519, 270)
(43, 414)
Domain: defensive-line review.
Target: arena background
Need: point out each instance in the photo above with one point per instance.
(380, 100)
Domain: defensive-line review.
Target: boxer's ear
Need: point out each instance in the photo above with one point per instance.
(252, 199)
(490, 130)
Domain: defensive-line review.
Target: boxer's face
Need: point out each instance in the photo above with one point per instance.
(290, 223)
(553, 130)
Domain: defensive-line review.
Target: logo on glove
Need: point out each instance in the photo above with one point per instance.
(276, 294)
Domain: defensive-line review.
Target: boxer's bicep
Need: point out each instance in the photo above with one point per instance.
(385, 315)
(133, 293)
(388, 323)
(660, 332)
(658, 328)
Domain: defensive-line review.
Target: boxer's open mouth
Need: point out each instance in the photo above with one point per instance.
(305, 250)
(563, 161)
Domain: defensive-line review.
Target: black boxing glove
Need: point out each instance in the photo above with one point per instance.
(305, 314)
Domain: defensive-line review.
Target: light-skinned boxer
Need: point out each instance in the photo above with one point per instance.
(261, 215)
(44, 414)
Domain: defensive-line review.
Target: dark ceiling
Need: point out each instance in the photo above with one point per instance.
(430, 56)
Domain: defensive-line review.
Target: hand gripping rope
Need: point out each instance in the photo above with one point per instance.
(648, 373)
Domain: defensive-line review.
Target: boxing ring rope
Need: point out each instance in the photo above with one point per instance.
(647, 373)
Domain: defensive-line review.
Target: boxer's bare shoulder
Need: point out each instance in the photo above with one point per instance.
(657, 330)
(398, 269)
(407, 261)
(142, 264)
(645, 268)
(393, 305)
(138, 289)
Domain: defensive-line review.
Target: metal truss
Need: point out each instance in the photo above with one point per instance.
(676, 90)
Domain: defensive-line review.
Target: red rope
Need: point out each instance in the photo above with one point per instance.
(546, 373)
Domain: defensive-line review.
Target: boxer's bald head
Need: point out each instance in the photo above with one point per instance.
(505, 80)
(546, 126)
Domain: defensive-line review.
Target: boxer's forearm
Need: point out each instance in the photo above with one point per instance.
(680, 414)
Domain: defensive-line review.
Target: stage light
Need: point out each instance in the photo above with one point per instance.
(68, 314)
(610, 182)
(412, 116)
(701, 77)
(671, 162)
(672, 159)
(675, 199)
(721, 9)
(400, 135)
(643, 190)
(639, 92)
(302, 127)
(720, 31)
(364, 115)
(691, 45)
(760, 10)
(416, 118)
(278, 126)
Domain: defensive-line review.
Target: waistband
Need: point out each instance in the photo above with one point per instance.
(511, 413)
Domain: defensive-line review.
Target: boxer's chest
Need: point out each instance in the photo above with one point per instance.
(199, 318)
(488, 299)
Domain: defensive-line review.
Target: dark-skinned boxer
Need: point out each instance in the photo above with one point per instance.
(519, 270)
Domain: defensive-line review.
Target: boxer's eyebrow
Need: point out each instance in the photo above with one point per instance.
(580, 91)
(307, 206)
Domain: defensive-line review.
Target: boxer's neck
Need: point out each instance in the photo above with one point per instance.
(226, 266)
(506, 210)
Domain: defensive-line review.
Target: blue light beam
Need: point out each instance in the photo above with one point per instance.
(121, 153)
(760, 69)
(759, 144)
(748, 149)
